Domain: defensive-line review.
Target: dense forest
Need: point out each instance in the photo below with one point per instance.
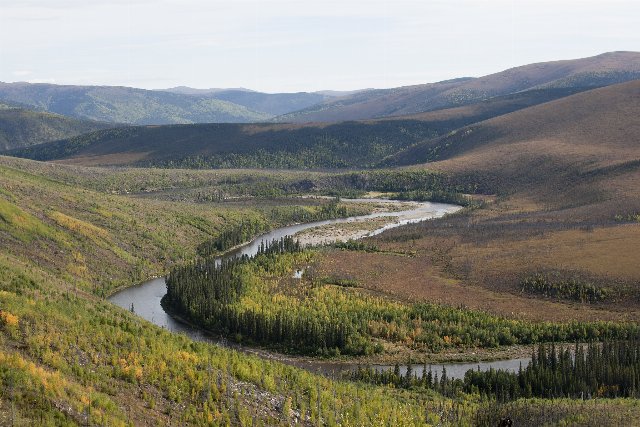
(275, 146)
(207, 292)
(609, 369)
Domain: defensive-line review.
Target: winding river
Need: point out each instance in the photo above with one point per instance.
(145, 297)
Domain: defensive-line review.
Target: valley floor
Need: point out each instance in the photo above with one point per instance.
(68, 357)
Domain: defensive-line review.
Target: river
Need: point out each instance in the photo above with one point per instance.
(145, 297)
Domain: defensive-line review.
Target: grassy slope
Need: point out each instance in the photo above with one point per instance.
(353, 144)
(127, 105)
(22, 128)
(64, 349)
(605, 69)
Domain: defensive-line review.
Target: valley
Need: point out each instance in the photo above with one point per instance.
(512, 233)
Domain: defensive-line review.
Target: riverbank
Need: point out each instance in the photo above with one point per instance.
(455, 361)
(146, 299)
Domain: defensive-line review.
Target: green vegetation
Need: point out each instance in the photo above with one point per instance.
(127, 105)
(609, 369)
(231, 237)
(250, 228)
(572, 289)
(271, 103)
(22, 128)
(248, 299)
(227, 145)
(630, 217)
(356, 245)
(67, 357)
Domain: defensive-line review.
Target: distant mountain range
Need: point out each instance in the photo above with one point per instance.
(179, 105)
(126, 105)
(406, 140)
(274, 104)
(403, 117)
(184, 105)
(601, 70)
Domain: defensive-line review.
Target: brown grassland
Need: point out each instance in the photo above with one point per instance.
(568, 183)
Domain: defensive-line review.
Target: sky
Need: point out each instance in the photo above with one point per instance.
(299, 45)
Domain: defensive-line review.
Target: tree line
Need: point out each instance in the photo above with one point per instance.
(609, 369)
(572, 289)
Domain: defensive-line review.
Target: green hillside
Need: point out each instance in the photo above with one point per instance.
(69, 357)
(118, 104)
(274, 104)
(22, 128)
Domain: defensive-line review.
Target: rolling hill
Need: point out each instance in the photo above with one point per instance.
(20, 127)
(600, 126)
(126, 105)
(583, 149)
(601, 70)
(274, 104)
(349, 144)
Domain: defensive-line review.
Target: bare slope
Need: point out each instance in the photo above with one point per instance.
(580, 154)
(601, 70)
(596, 128)
(567, 174)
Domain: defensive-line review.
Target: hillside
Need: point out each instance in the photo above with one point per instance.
(274, 104)
(350, 144)
(594, 131)
(22, 128)
(126, 105)
(69, 357)
(562, 207)
(601, 70)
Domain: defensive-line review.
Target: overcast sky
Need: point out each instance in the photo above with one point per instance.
(299, 45)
